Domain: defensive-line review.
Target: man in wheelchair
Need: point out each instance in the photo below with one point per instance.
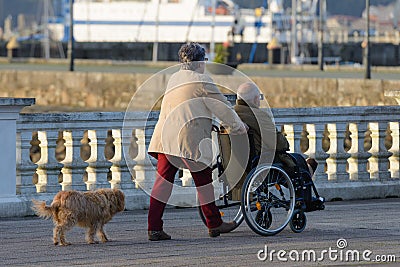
(262, 133)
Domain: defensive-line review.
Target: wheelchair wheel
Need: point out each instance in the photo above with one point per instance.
(264, 218)
(298, 221)
(268, 200)
(228, 214)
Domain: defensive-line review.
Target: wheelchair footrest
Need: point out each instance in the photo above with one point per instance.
(315, 204)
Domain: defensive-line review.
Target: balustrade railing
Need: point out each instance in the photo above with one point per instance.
(80, 151)
(357, 149)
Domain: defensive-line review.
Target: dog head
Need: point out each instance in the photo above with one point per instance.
(115, 198)
(120, 200)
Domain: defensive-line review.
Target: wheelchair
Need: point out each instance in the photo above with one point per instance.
(271, 197)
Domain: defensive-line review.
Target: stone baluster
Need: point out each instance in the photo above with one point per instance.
(74, 166)
(116, 159)
(353, 151)
(337, 161)
(379, 160)
(103, 163)
(98, 164)
(48, 167)
(293, 135)
(315, 150)
(186, 178)
(53, 167)
(177, 180)
(394, 159)
(41, 170)
(358, 157)
(144, 170)
(363, 155)
(119, 180)
(25, 167)
(91, 169)
(127, 161)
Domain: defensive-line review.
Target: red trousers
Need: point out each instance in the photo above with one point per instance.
(163, 187)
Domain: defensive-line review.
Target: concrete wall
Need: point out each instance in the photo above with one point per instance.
(382, 54)
(111, 91)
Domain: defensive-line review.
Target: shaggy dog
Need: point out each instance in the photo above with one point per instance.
(90, 209)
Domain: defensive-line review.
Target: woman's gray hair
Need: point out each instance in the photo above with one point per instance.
(189, 54)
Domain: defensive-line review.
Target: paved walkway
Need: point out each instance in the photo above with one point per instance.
(366, 225)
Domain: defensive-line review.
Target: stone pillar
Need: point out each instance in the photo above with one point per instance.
(358, 157)
(293, 135)
(41, 171)
(394, 159)
(315, 150)
(121, 177)
(53, 167)
(74, 167)
(336, 163)
(91, 169)
(99, 166)
(186, 178)
(144, 170)
(9, 113)
(378, 162)
(126, 160)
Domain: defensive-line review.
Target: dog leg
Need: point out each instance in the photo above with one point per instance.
(63, 242)
(56, 233)
(68, 222)
(102, 235)
(63, 230)
(90, 235)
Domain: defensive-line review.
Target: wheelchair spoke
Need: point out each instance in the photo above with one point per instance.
(268, 200)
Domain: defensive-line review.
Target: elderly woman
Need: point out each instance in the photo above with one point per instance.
(181, 139)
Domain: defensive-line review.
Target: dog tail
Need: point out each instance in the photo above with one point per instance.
(41, 210)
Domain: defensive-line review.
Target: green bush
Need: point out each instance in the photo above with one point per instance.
(221, 54)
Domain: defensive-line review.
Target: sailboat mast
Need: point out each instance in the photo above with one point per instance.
(46, 41)
(212, 42)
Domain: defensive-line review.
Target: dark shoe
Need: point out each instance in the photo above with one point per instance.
(222, 229)
(158, 235)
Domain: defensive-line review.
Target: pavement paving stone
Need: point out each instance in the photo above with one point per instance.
(365, 225)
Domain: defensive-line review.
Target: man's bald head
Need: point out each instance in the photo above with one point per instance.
(249, 93)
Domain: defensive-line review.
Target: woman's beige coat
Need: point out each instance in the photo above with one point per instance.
(185, 122)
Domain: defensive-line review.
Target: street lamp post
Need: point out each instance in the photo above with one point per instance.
(293, 52)
(322, 9)
(71, 36)
(212, 42)
(46, 41)
(367, 56)
(155, 44)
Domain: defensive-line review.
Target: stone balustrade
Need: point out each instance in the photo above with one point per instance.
(81, 151)
(357, 149)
